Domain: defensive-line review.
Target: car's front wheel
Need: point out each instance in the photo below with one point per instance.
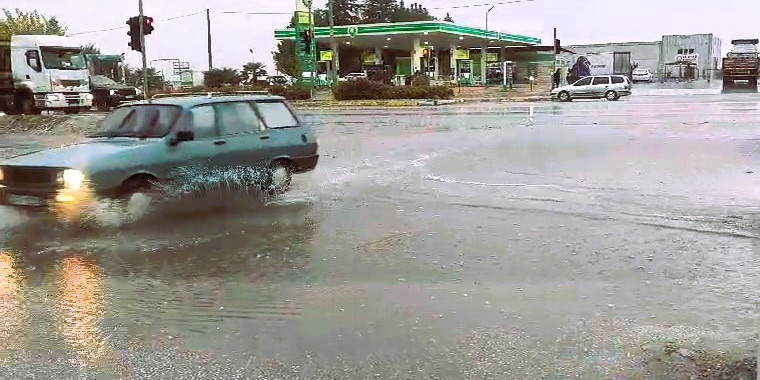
(279, 178)
(563, 96)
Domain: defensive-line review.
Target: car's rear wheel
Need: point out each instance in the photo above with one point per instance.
(611, 96)
(563, 96)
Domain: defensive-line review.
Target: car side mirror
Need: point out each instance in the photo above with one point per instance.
(182, 136)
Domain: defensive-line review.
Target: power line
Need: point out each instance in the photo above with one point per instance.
(485, 4)
(258, 13)
(124, 27)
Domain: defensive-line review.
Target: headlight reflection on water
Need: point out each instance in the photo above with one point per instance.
(79, 308)
(12, 313)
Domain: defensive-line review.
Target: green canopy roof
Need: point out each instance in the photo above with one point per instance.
(421, 29)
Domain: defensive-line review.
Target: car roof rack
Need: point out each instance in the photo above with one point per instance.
(209, 94)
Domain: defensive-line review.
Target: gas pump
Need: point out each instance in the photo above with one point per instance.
(464, 68)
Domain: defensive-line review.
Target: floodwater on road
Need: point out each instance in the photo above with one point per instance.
(476, 241)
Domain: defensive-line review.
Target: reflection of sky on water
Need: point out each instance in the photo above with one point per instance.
(79, 311)
(12, 311)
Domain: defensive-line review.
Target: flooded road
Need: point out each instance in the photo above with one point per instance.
(478, 241)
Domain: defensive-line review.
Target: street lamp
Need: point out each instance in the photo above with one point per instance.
(253, 54)
(484, 53)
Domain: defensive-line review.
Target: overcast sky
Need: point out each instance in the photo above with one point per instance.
(577, 21)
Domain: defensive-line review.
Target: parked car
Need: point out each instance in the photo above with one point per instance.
(278, 80)
(353, 76)
(610, 87)
(141, 144)
(642, 75)
(108, 93)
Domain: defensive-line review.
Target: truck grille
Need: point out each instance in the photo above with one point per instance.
(73, 99)
(29, 176)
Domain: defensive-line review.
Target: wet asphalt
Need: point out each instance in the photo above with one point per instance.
(519, 240)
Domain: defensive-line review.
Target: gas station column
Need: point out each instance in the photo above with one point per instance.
(379, 56)
(453, 60)
(416, 55)
(483, 65)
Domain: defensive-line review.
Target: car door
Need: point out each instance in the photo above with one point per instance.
(241, 138)
(600, 86)
(582, 88)
(201, 154)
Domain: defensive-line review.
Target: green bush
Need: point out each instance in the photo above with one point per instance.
(291, 92)
(364, 89)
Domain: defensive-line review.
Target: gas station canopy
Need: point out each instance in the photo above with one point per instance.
(402, 35)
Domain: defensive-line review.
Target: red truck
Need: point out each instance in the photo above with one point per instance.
(741, 65)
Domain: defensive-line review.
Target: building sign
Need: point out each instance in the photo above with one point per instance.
(461, 54)
(687, 57)
(492, 57)
(326, 55)
(353, 31)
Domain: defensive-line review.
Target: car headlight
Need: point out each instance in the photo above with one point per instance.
(72, 179)
(88, 96)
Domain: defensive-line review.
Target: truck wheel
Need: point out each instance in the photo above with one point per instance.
(25, 105)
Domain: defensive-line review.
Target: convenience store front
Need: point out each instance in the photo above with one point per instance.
(441, 50)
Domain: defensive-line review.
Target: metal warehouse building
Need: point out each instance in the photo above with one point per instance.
(674, 57)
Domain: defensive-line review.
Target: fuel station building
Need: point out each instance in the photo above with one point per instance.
(441, 50)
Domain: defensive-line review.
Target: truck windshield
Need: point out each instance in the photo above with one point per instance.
(144, 121)
(63, 58)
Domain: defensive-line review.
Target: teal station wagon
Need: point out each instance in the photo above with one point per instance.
(144, 143)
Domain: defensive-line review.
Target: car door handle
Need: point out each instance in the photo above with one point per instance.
(264, 137)
(220, 142)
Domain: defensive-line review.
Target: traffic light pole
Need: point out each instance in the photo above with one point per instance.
(144, 57)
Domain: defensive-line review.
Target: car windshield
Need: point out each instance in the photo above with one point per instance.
(63, 58)
(640, 71)
(144, 121)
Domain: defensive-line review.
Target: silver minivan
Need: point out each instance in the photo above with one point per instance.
(610, 87)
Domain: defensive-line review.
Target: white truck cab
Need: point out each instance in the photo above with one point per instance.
(43, 73)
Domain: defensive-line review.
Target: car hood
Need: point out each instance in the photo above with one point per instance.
(77, 156)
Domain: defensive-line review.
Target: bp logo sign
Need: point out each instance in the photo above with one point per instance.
(353, 31)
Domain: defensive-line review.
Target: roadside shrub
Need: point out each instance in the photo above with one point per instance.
(366, 90)
(291, 92)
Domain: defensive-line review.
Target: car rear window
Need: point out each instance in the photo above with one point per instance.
(277, 115)
(618, 80)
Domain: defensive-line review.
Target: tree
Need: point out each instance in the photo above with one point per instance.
(346, 12)
(414, 12)
(378, 11)
(135, 78)
(285, 58)
(29, 23)
(90, 48)
(222, 77)
(448, 18)
(252, 71)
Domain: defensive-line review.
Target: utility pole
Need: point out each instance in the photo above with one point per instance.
(144, 56)
(335, 65)
(208, 31)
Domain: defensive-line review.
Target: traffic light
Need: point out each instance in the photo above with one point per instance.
(134, 33)
(147, 25)
(306, 38)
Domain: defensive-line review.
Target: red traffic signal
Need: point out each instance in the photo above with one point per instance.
(147, 25)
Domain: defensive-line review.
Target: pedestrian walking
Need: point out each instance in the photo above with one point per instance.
(556, 79)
